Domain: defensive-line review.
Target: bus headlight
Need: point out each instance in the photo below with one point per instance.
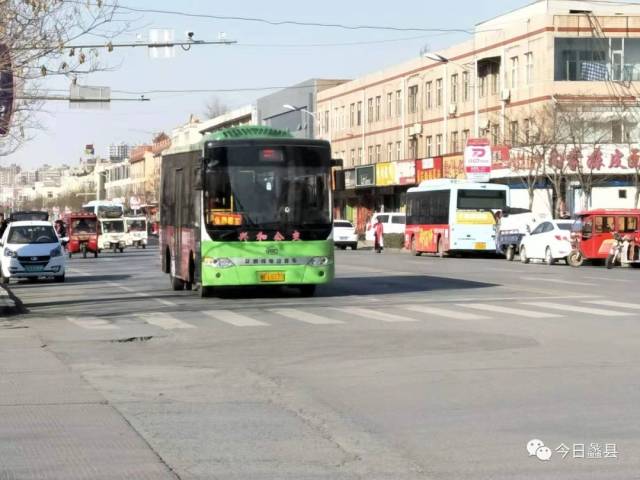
(318, 261)
(56, 252)
(218, 262)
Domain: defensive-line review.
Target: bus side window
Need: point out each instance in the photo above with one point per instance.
(599, 225)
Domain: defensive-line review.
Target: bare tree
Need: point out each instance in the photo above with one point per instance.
(37, 35)
(215, 107)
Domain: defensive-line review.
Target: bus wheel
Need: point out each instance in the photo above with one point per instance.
(414, 247)
(177, 284)
(307, 290)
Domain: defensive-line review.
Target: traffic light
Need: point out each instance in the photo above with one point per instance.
(6, 90)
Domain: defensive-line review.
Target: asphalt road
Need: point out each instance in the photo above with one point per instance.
(404, 368)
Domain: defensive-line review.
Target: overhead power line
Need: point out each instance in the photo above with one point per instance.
(276, 23)
(219, 90)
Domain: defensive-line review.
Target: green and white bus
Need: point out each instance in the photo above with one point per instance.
(247, 205)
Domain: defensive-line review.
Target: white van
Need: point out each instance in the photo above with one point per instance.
(392, 222)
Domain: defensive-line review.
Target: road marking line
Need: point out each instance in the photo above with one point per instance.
(612, 303)
(377, 315)
(234, 318)
(164, 321)
(143, 295)
(506, 310)
(93, 323)
(563, 282)
(441, 312)
(303, 316)
(605, 280)
(578, 309)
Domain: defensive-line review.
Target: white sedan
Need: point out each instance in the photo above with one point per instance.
(31, 250)
(549, 241)
(344, 235)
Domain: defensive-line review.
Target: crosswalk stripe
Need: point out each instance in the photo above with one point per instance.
(303, 316)
(563, 282)
(377, 315)
(506, 310)
(93, 323)
(441, 312)
(578, 309)
(164, 321)
(234, 318)
(612, 303)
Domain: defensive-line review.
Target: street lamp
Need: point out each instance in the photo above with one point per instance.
(286, 106)
(436, 57)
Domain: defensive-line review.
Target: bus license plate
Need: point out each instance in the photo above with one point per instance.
(34, 268)
(480, 246)
(271, 277)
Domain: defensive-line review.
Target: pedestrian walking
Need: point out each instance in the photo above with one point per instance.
(3, 224)
(379, 236)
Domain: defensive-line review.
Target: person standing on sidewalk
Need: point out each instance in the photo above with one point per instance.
(378, 236)
(3, 224)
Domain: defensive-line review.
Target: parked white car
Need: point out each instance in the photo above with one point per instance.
(31, 250)
(549, 241)
(391, 223)
(344, 235)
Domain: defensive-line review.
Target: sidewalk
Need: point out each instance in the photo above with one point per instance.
(54, 425)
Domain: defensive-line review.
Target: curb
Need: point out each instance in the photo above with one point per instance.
(9, 303)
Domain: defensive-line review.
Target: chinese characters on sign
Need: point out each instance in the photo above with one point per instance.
(365, 176)
(453, 167)
(262, 237)
(385, 174)
(593, 450)
(428, 169)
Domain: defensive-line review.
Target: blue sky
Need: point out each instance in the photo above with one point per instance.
(256, 64)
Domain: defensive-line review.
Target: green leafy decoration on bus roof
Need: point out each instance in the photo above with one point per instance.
(248, 132)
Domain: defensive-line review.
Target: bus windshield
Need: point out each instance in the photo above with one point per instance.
(272, 189)
(471, 199)
(113, 227)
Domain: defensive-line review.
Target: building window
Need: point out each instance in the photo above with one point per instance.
(482, 86)
(622, 194)
(353, 157)
(370, 110)
(438, 145)
(398, 150)
(370, 153)
(527, 130)
(343, 118)
(529, 74)
(514, 72)
(398, 103)
(326, 121)
(428, 94)
(413, 98)
(429, 146)
(513, 133)
(378, 102)
(378, 153)
(360, 156)
(439, 92)
(335, 120)
(616, 131)
(359, 114)
(454, 142)
(589, 59)
(465, 86)
(465, 137)
(454, 90)
(494, 133)
(389, 152)
(389, 105)
(352, 115)
(413, 148)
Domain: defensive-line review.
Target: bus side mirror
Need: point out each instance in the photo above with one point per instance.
(198, 183)
(337, 162)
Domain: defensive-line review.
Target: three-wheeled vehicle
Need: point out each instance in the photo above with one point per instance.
(112, 234)
(593, 236)
(136, 228)
(82, 232)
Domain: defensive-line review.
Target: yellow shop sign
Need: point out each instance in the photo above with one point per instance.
(385, 173)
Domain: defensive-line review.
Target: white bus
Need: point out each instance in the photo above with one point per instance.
(453, 215)
(104, 208)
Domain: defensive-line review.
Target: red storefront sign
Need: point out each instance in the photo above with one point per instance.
(499, 157)
(428, 169)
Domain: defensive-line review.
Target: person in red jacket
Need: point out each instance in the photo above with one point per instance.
(378, 235)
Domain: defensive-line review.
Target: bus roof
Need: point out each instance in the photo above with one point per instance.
(447, 184)
(247, 132)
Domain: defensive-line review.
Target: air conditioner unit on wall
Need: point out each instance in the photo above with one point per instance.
(415, 129)
(453, 109)
(505, 95)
